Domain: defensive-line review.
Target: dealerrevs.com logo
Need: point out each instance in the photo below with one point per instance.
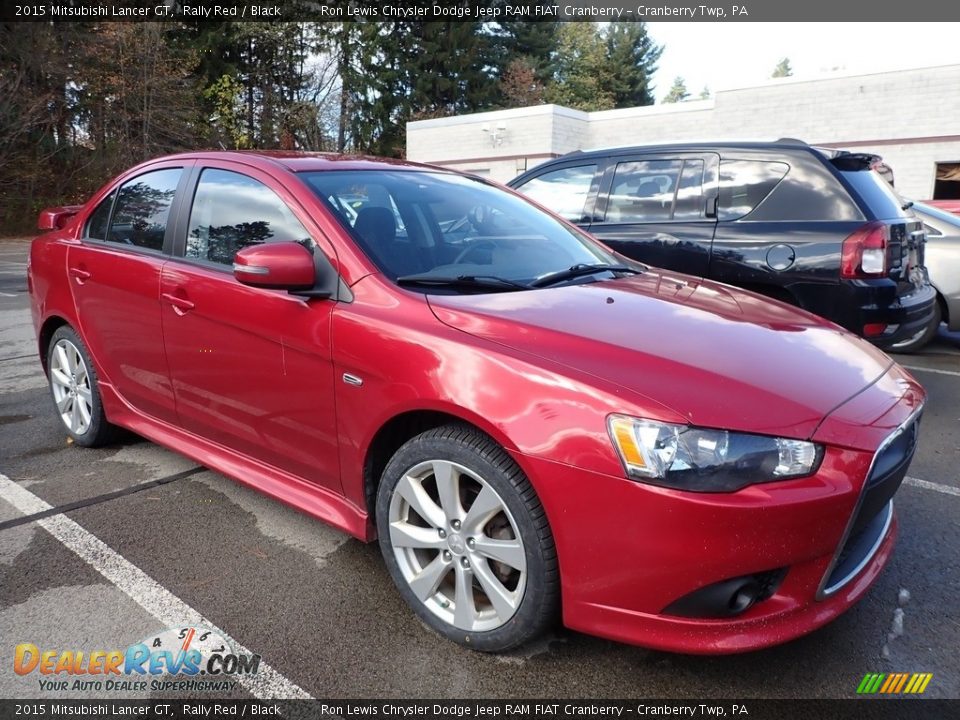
(179, 659)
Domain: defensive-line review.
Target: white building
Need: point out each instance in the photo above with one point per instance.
(910, 117)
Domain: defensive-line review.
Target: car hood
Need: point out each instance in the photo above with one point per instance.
(715, 355)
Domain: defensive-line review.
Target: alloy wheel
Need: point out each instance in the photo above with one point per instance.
(457, 545)
(70, 381)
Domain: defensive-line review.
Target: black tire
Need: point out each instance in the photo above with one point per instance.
(537, 601)
(98, 431)
(913, 344)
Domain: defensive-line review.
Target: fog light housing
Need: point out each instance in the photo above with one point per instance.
(727, 598)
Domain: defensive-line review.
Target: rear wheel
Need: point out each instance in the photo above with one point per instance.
(76, 395)
(466, 541)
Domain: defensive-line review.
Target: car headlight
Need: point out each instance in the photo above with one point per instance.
(706, 460)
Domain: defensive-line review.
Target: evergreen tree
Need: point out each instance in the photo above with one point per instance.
(534, 40)
(783, 69)
(448, 69)
(678, 92)
(581, 67)
(405, 70)
(632, 61)
(375, 82)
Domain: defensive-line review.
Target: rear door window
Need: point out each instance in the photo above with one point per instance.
(565, 191)
(656, 191)
(142, 209)
(689, 201)
(97, 225)
(643, 191)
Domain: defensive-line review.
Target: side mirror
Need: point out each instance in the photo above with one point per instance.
(56, 217)
(280, 266)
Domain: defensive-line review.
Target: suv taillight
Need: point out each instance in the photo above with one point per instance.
(864, 252)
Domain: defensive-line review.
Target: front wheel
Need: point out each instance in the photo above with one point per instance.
(466, 540)
(76, 395)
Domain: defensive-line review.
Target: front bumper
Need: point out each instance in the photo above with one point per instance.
(629, 551)
(789, 614)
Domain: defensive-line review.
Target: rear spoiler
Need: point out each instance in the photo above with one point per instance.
(846, 160)
(852, 161)
(55, 218)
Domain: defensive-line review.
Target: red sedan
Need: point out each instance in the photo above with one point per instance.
(952, 206)
(530, 424)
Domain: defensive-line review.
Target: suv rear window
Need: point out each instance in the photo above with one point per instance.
(876, 193)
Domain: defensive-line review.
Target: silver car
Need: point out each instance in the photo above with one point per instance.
(943, 259)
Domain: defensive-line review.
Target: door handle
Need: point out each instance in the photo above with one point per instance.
(711, 209)
(80, 275)
(180, 305)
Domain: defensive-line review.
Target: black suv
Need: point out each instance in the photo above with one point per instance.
(814, 227)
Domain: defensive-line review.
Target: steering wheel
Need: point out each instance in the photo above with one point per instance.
(478, 245)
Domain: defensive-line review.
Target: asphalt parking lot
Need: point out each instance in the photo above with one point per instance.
(197, 549)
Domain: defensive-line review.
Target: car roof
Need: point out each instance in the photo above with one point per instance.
(296, 161)
(699, 146)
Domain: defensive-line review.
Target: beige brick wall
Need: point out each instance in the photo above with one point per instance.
(894, 112)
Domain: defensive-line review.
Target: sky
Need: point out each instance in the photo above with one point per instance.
(730, 55)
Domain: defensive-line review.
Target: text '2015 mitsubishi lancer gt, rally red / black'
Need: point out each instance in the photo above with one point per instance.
(533, 426)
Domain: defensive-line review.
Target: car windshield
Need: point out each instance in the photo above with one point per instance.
(448, 233)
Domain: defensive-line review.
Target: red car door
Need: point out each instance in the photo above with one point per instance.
(251, 367)
(114, 275)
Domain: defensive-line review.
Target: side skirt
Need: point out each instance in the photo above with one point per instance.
(292, 490)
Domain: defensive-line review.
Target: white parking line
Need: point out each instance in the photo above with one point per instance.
(267, 684)
(933, 370)
(936, 487)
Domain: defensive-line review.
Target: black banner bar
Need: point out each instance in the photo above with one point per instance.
(473, 10)
(872, 708)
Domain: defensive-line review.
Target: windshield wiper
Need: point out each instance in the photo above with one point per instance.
(580, 270)
(481, 282)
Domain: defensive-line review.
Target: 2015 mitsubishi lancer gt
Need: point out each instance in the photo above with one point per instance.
(531, 425)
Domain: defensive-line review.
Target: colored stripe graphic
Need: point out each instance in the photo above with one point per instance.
(894, 683)
(891, 679)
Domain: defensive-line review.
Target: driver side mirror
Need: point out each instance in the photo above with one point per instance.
(278, 266)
